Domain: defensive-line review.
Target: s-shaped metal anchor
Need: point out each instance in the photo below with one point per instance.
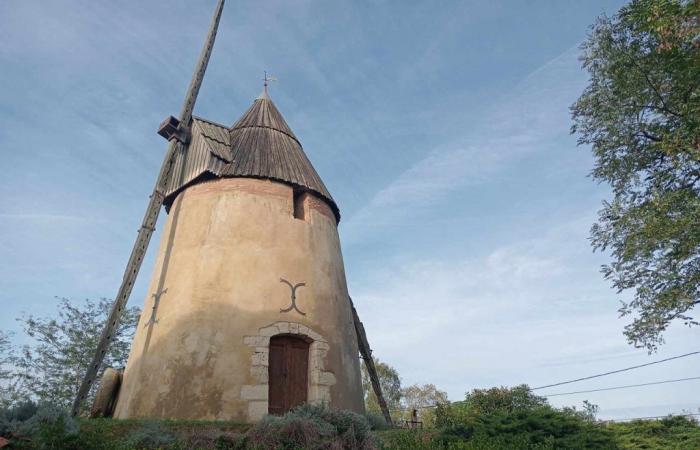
(294, 296)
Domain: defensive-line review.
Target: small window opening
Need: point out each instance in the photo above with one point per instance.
(299, 205)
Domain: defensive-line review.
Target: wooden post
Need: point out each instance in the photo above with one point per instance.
(366, 353)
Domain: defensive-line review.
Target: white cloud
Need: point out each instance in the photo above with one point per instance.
(534, 311)
(528, 120)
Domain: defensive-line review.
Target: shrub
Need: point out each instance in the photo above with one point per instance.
(518, 398)
(210, 438)
(51, 427)
(376, 421)
(12, 417)
(312, 427)
(426, 440)
(516, 418)
(542, 426)
(672, 432)
(152, 434)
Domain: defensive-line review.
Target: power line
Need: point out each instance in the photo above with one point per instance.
(572, 393)
(615, 371)
(622, 387)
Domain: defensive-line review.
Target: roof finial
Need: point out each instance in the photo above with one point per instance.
(264, 95)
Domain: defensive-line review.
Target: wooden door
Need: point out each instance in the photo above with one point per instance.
(288, 373)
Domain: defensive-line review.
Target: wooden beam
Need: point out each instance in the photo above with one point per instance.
(366, 353)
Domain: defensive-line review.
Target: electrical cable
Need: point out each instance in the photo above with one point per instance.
(615, 371)
(621, 387)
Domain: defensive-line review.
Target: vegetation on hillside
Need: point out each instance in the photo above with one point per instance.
(515, 419)
(492, 419)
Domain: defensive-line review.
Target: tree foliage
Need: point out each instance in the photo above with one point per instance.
(487, 401)
(503, 417)
(390, 382)
(53, 365)
(423, 399)
(6, 381)
(5, 355)
(641, 115)
(425, 396)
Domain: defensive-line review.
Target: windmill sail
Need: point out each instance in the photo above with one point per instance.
(177, 131)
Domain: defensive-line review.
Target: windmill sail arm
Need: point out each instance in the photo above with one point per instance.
(198, 76)
(366, 353)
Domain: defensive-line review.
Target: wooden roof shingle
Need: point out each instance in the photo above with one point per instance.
(259, 145)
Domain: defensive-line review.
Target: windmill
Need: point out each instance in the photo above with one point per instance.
(313, 196)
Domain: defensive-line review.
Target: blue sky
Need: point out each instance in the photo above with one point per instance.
(441, 129)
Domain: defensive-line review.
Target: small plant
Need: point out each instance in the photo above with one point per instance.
(312, 427)
(12, 417)
(152, 434)
(51, 427)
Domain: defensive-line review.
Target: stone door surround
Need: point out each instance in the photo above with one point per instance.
(320, 380)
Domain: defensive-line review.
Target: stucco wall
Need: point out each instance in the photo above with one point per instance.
(225, 246)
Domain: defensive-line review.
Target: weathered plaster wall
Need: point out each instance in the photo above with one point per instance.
(225, 246)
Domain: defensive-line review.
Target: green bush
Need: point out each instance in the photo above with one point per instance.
(12, 417)
(515, 418)
(152, 434)
(541, 426)
(670, 433)
(427, 440)
(376, 421)
(51, 427)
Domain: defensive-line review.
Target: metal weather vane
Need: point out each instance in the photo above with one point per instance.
(176, 130)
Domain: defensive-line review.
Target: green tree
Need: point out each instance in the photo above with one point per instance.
(427, 395)
(390, 382)
(487, 401)
(424, 399)
(53, 366)
(6, 381)
(640, 114)
(5, 355)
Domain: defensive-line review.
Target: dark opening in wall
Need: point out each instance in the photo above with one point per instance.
(299, 205)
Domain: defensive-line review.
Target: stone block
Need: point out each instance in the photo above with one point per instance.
(321, 346)
(315, 336)
(260, 373)
(256, 410)
(260, 359)
(326, 379)
(314, 375)
(283, 327)
(269, 331)
(323, 395)
(257, 341)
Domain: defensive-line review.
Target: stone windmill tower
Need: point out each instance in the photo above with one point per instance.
(248, 311)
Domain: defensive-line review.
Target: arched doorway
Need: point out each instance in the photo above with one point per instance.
(287, 373)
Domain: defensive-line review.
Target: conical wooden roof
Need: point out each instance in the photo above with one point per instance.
(259, 145)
